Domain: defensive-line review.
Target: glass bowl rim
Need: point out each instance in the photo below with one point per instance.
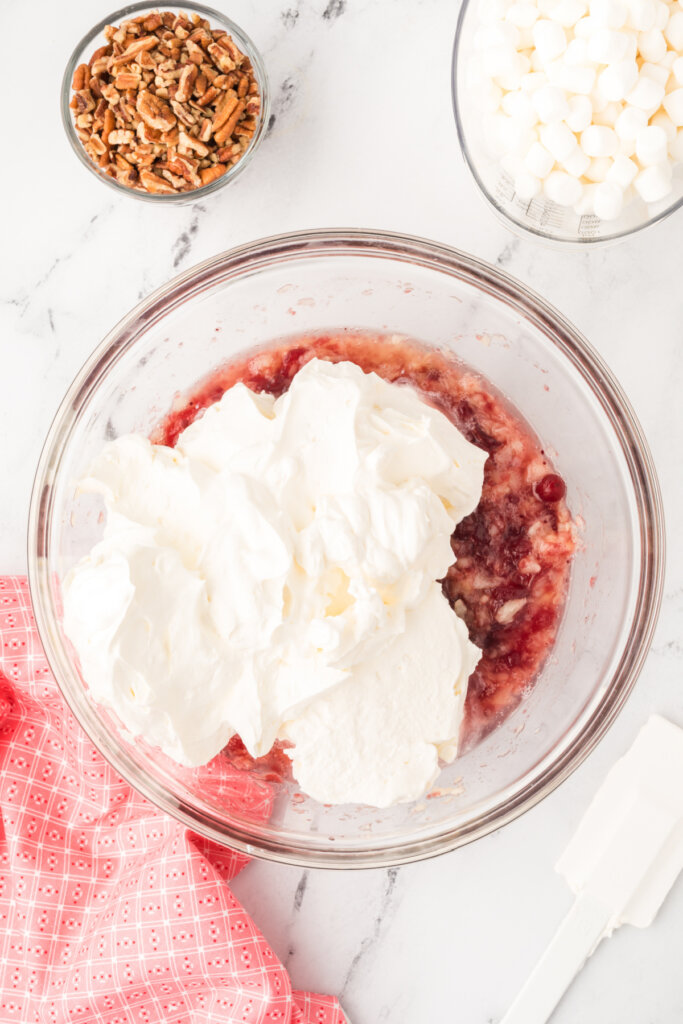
(596, 716)
(179, 198)
(510, 221)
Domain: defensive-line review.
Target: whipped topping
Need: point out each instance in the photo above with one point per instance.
(274, 575)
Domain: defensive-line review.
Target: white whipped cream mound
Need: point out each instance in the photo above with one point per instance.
(274, 575)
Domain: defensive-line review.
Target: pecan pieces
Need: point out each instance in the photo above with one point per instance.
(168, 105)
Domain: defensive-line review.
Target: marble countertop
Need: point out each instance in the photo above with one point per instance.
(361, 135)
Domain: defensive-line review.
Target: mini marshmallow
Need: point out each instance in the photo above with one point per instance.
(576, 54)
(499, 34)
(549, 39)
(609, 13)
(526, 185)
(512, 79)
(573, 79)
(500, 60)
(598, 169)
(562, 188)
(522, 15)
(539, 161)
(568, 12)
(651, 45)
(642, 15)
(673, 104)
(651, 145)
(577, 163)
(580, 113)
(647, 94)
(558, 140)
(608, 200)
(677, 69)
(630, 122)
(550, 104)
(676, 147)
(663, 121)
(608, 115)
(607, 46)
(585, 27)
(533, 80)
(622, 172)
(598, 140)
(585, 206)
(618, 79)
(491, 11)
(674, 31)
(662, 16)
(519, 107)
(655, 71)
(654, 183)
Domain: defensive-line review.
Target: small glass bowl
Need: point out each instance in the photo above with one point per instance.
(538, 216)
(321, 280)
(95, 38)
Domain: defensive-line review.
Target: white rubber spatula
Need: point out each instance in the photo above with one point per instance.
(621, 863)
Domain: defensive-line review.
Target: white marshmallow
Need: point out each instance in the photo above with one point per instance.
(526, 185)
(607, 46)
(501, 33)
(608, 115)
(550, 104)
(549, 39)
(622, 172)
(662, 16)
(491, 11)
(580, 113)
(518, 106)
(512, 164)
(576, 54)
(674, 31)
(608, 200)
(676, 147)
(586, 206)
(539, 161)
(663, 121)
(651, 146)
(598, 140)
(512, 79)
(642, 14)
(523, 15)
(647, 95)
(568, 12)
(630, 121)
(585, 27)
(677, 69)
(533, 80)
(651, 45)
(598, 169)
(654, 183)
(572, 78)
(655, 71)
(558, 140)
(618, 79)
(562, 188)
(627, 147)
(577, 163)
(609, 13)
(673, 104)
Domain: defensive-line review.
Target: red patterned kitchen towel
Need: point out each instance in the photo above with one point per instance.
(110, 911)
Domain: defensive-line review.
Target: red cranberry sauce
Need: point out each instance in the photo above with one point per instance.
(512, 553)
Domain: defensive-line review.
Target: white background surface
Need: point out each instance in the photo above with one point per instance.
(363, 137)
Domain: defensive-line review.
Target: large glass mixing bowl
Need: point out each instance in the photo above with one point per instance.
(312, 281)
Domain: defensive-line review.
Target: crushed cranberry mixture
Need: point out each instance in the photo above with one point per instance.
(512, 553)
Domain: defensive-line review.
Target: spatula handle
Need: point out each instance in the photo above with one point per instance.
(574, 941)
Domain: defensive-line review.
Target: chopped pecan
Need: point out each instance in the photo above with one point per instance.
(183, 114)
(84, 101)
(146, 43)
(226, 131)
(152, 21)
(153, 183)
(186, 83)
(81, 75)
(120, 137)
(154, 112)
(208, 97)
(209, 174)
(224, 109)
(126, 80)
(186, 144)
(221, 57)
